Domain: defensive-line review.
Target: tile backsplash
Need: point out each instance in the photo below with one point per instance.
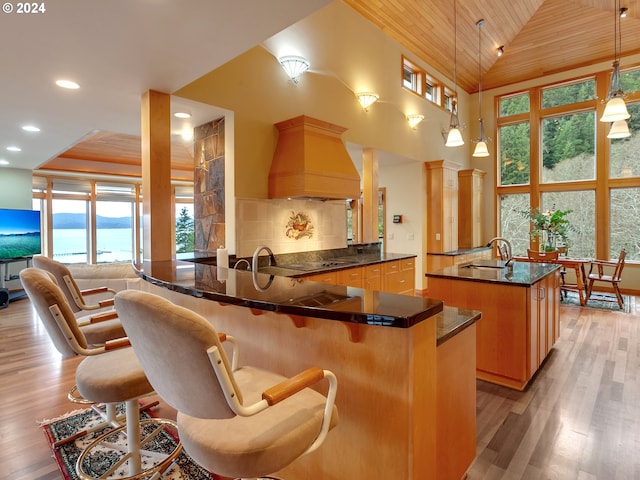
(288, 226)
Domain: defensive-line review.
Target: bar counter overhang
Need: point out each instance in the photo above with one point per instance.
(404, 412)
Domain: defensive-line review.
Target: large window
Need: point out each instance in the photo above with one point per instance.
(514, 148)
(553, 153)
(569, 148)
(94, 221)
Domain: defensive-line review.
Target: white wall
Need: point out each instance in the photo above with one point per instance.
(15, 188)
(15, 192)
(405, 185)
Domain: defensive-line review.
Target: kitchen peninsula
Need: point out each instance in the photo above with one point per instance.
(406, 394)
(520, 314)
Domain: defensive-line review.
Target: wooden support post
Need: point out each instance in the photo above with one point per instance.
(370, 196)
(158, 215)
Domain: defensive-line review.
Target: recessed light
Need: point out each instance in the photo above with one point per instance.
(4, 162)
(14, 149)
(30, 128)
(182, 115)
(67, 84)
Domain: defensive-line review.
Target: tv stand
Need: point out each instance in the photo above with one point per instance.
(5, 295)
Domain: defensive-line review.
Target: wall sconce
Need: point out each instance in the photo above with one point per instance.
(414, 120)
(294, 66)
(367, 99)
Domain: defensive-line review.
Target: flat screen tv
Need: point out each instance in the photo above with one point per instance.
(19, 233)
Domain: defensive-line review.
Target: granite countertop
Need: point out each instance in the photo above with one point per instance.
(452, 321)
(462, 251)
(288, 295)
(522, 274)
(301, 264)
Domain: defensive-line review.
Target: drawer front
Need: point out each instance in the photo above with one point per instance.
(371, 271)
(351, 277)
(329, 277)
(408, 264)
(391, 267)
(400, 282)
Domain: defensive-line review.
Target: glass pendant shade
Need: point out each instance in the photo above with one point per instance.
(615, 110)
(481, 149)
(619, 129)
(454, 138)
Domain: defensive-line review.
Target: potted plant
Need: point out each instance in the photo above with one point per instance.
(550, 228)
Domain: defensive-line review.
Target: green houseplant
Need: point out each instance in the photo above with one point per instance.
(550, 228)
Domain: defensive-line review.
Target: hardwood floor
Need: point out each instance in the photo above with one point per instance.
(579, 419)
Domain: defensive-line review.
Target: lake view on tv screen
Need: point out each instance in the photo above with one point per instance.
(19, 233)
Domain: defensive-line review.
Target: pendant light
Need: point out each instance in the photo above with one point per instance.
(481, 149)
(615, 108)
(454, 137)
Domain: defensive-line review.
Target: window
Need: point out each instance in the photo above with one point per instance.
(449, 97)
(411, 77)
(514, 104)
(583, 219)
(625, 218)
(623, 154)
(420, 82)
(70, 232)
(432, 91)
(567, 94)
(554, 154)
(569, 148)
(82, 233)
(514, 151)
(514, 224)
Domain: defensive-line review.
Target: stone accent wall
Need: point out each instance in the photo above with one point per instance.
(209, 193)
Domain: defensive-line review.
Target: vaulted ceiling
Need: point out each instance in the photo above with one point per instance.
(540, 37)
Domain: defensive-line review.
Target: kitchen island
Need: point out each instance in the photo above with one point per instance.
(406, 395)
(520, 314)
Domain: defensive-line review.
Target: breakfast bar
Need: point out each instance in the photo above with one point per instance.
(405, 364)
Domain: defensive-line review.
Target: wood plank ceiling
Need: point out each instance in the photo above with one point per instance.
(540, 37)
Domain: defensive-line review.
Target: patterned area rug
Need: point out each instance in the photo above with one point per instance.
(602, 301)
(66, 455)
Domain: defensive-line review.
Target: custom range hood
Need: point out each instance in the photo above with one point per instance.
(311, 161)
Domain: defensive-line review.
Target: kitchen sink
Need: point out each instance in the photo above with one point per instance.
(486, 264)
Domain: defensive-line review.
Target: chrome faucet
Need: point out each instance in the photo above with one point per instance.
(254, 262)
(504, 247)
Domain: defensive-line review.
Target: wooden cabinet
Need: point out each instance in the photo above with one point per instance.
(373, 277)
(517, 328)
(396, 276)
(470, 185)
(326, 277)
(399, 276)
(442, 206)
(351, 277)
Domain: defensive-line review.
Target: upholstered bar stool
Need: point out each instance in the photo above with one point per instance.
(109, 374)
(98, 322)
(234, 421)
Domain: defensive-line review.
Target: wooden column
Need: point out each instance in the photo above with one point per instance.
(157, 220)
(370, 196)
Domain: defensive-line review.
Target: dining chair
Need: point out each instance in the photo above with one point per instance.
(235, 421)
(608, 272)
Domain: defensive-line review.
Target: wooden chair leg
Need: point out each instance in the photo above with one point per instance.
(619, 295)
